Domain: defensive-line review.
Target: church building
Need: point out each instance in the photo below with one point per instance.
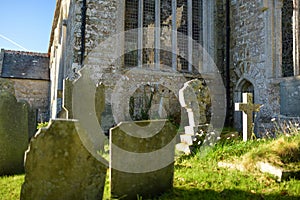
(254, 46)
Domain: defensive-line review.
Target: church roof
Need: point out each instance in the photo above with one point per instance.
(24, 65)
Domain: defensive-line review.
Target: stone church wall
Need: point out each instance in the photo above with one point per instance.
(94, 21)
(251, 59)
(102, 19)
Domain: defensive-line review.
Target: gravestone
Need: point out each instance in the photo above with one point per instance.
(58, 165)
(142, 158)
(67, 111)
(14, 132)
(194, 98)
(290, 98)
(248, 108)
(32, 122)
(7, 85)
(100, 101)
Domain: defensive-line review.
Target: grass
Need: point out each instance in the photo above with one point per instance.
(283, 152)
(10, 187)
(199, 177)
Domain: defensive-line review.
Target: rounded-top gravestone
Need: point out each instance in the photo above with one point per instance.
(13, 133)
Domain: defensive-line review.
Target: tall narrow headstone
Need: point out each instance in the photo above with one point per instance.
(99, 101)
(13, 134)
(58, 165)
(142, 158)
(248, 108)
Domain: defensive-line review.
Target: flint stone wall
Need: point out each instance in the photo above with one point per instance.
(254, 34)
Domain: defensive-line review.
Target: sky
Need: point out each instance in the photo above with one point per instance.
(25, 25)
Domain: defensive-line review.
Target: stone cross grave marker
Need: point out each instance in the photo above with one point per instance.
(142, 158)
(248, 108)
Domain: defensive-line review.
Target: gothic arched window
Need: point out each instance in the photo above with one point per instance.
(287, 38)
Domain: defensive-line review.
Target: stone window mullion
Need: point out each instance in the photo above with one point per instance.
(174, 35)
(140, 32)
(157, 35)
(190, 33)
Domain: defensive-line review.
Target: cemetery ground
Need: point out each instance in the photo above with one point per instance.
(199, 176)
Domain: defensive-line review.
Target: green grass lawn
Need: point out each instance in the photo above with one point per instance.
(199, 177)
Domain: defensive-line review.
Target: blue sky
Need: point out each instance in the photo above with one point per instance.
(26, 23)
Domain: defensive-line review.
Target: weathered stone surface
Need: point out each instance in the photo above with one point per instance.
(13, 134)
(14, 88)
(7, 85)
(58, 166)
(100, 101)
(290, 98)
(194, 97)
(32, 121)
(36, 93)
(142, 158)
(278, 172)
(67, 111)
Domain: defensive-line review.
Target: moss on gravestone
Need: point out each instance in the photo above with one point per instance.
(13, 134)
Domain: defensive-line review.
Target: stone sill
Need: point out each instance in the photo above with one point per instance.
(281, 79)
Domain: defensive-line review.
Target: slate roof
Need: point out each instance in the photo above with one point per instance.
(25, 65)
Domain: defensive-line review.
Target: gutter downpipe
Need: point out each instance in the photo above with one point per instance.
(227, 66)
(83, 24)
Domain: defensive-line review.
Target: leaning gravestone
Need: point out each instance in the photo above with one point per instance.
(13, 133)
(142, 158)
(58, 166)
(194, 98)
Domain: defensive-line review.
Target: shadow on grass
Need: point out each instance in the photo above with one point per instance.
(196, 194)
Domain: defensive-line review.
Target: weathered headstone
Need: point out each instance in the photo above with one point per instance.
(290, 98)
(194, 97)
(248, 108)
(7, 85)
(32, 122)
(100, 101)
(87, 105)
(13, 134)
(142, 158)
(58, 166)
